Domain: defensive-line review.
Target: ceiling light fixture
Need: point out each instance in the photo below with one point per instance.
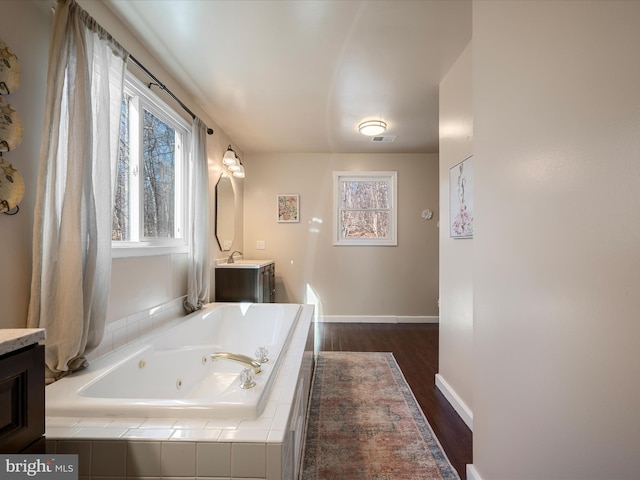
(372, 127)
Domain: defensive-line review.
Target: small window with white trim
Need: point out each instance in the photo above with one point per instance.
(365, 208)
(149, 204)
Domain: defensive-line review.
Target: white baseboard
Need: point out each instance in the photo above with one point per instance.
(456, 402)
(376, 319)
(472, 473)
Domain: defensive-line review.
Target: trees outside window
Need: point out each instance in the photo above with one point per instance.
(148, 203)
(159, 178)
(365, 208)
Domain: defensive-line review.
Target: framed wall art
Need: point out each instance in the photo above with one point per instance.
(288, 208)
(461, 199)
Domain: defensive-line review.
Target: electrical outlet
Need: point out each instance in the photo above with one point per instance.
(260, 245)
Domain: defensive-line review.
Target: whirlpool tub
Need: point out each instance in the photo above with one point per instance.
(171, 373)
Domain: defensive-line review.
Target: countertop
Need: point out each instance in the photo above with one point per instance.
(242, 263)
(12, 339)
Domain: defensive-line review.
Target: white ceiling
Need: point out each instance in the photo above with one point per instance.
(299, 76)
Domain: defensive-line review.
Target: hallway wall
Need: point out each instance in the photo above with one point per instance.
(455, 372)
(556, 116)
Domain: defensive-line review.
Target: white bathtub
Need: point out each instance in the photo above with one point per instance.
(170, 373)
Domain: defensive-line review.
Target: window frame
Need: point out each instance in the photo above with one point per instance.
(145, 99)
(391, 177)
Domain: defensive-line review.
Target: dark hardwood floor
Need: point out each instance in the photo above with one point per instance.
(415, 348)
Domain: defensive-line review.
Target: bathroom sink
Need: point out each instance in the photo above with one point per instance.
(242, 263)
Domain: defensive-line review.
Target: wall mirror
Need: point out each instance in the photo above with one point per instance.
(225, 207)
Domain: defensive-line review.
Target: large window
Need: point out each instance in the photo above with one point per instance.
(365, 208)
(149, 195)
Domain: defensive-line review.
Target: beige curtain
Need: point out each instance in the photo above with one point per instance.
(73, 213)
(199, 270)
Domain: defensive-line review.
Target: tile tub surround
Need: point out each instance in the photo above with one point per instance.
(145, 448)
(128, 329)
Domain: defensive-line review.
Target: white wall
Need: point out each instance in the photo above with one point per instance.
(556, 98)
(401, 281)
(349, 280)
(455, 375)
(137, 284)
(26, 30)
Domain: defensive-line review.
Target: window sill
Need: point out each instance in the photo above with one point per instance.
(125, 251)
(365, 243)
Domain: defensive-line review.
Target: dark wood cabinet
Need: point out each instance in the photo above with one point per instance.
(253, 284)
(22, 400)
(269, 283)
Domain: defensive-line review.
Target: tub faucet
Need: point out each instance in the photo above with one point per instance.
(230, 259)
(239, 358)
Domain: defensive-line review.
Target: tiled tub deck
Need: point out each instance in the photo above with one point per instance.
(267, 448)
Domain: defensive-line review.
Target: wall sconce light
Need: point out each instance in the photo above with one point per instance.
(239, 173)
(372, 127)
(233, 163)
(229, 157)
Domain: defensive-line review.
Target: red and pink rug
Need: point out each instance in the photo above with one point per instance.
(364, 423)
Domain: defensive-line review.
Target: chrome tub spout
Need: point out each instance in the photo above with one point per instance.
(239, 358)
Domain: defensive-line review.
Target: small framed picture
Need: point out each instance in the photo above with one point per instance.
(461, 199)
(288, 208)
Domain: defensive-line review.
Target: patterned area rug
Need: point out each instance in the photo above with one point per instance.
(364, 423)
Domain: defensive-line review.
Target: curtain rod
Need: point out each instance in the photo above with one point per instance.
(163, 87)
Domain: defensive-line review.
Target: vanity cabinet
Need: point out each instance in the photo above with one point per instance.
(246, 282)
(22, 399)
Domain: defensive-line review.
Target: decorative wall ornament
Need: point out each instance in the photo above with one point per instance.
(11, 182)
(11, 188)
(288, 208)
(10, 73)
(10, 127)
(461, 199)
